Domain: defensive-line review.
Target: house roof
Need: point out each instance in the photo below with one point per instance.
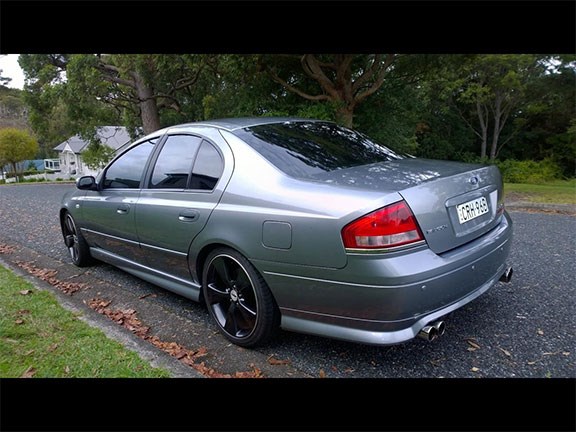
(113, 136)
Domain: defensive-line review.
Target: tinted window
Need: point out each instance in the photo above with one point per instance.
(174, 163)
(126, 171)
(305, 149)
(207, 168)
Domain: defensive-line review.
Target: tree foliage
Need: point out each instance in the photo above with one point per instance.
(16, 146)
(97, 155)
(460, 107)
(343, 80)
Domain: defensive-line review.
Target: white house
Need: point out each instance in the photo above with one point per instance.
(71, 164)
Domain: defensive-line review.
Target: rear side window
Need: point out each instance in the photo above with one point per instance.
(126, 171)
(207, 168)
(174, 163)
(305, 149)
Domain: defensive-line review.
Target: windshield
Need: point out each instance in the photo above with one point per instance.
(305, 149)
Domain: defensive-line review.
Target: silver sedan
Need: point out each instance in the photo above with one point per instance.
(298, 224)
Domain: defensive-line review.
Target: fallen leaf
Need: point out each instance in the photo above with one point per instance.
(540, 332)
(274, 361)
(142, 297)
(472, 343)
(23, 312)
(322, 374)
(26, 292)
(201, 352)
(5, 249)
(29, 373)
(471, 349)
(507, 353)
(66, 370)
(19, 321)
(348, 370)
(29, 352)
(474, 369)
(53, 347)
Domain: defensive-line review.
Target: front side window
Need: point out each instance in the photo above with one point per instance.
(174, 162)
(126, 171)
(207, 168)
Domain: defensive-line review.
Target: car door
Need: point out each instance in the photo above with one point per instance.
(109, 212)
(178, 200)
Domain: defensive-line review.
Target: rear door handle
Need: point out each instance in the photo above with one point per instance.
(123, 209)
(188, 215)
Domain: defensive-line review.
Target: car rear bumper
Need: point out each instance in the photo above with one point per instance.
(387, 298)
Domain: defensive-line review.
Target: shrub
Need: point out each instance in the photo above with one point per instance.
(529, 171)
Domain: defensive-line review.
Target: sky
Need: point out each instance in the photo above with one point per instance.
(11, 69)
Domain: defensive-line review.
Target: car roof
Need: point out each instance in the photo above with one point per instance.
(231, 124)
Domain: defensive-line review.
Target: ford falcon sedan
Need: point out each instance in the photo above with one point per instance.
(296, 224)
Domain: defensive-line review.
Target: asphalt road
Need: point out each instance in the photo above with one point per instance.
(526, 328)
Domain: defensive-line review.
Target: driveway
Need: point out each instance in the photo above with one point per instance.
(522, 329)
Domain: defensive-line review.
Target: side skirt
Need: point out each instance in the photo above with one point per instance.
(179, 286)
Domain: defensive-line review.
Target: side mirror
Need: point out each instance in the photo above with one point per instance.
(86, 183)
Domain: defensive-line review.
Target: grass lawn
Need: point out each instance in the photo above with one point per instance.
(557, 192)
(39, 338)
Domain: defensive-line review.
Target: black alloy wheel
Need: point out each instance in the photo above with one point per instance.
(75, 242)
(239, 299)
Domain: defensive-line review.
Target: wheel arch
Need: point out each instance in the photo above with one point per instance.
(197, 262)
(62, 215)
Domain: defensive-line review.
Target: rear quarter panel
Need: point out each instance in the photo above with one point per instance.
(268, 216)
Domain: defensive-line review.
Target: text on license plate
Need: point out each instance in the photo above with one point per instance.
(472, 209)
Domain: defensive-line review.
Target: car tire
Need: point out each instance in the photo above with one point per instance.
(75, 242)
(239, 299)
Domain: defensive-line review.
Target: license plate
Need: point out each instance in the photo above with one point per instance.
(472, 209)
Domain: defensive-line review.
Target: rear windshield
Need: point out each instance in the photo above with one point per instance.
(306, 149)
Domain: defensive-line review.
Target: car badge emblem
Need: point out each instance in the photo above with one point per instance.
(474, 180)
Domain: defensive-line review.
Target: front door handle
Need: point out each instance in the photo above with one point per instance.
(123, 209)
(188, 215)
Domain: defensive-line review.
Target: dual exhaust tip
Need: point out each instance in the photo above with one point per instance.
(437, 328)
(432, 331)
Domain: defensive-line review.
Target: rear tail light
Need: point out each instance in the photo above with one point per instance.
(391, 226)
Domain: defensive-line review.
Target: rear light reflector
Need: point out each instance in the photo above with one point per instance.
(391, 226)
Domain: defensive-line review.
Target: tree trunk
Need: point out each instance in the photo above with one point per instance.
(16, 174)
(497, 128)
(483, 129)
(345, 116)
(148, 107)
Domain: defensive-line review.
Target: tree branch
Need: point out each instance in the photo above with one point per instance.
(106, 68)
(367, 73)
(312, 68)
(295, 90)
(379, 80)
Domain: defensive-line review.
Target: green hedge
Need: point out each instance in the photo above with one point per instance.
(529, 171)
